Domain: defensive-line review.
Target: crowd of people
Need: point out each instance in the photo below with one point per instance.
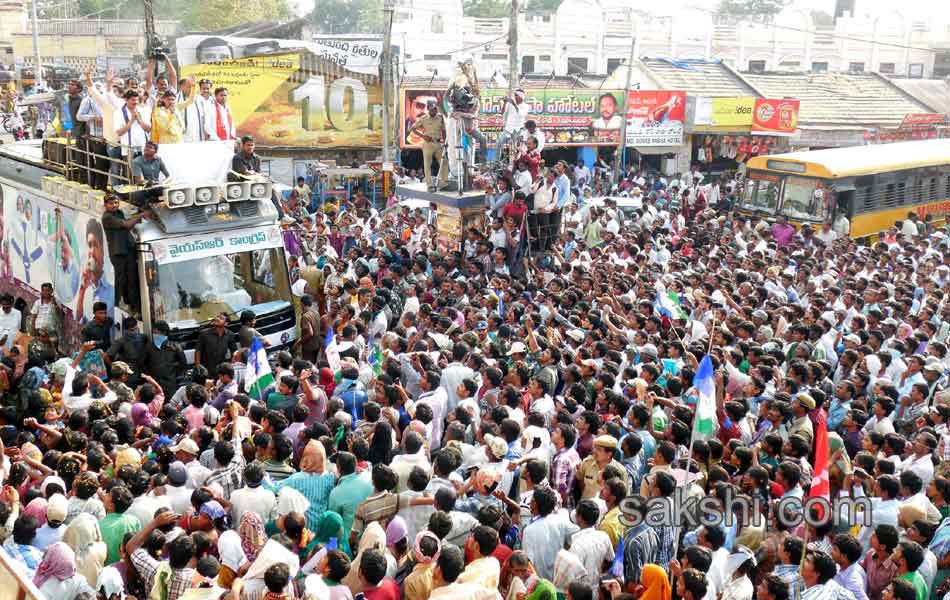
(453, 424)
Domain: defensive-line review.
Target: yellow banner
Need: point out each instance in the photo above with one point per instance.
(281, 102)
(732, 112)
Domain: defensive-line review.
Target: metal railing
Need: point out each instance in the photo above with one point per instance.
(14, 585)
(80, 163)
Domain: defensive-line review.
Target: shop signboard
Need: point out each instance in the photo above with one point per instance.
(923, 120)
(567, 117)
(775, 116)
(725, 113)
(298, 99)
(655, 117)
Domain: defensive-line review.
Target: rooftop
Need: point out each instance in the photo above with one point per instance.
(932, 93)
(855, 100)
(704, 78)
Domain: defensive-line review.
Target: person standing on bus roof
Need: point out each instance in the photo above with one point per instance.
(223, 118)
(122, 251)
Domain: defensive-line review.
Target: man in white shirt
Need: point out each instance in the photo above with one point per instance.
(132, 124)
(195, 114)
(515, 115)
(531, 130)
(921, 461)
(402, 464)
(10, 320)
(177, 491)
(252, 497)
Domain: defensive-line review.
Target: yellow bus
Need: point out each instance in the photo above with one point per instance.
(872, 186)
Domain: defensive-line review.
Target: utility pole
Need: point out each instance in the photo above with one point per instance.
(37, 66)
(623, 123)
(388, 10)
(513, 70)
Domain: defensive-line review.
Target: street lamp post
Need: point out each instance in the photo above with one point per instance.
(389, 8)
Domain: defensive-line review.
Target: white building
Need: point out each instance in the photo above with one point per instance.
(594, 37)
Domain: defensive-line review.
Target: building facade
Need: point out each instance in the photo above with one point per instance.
(595, 36)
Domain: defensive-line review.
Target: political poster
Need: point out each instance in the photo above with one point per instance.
(360, 54)
(45, 242)
(655, 117)
(298, 99)
(566, 117)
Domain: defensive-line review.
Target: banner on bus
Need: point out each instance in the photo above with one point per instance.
(655, 117)
(174, 250)
(567, 117)
(775, 117)
(45, 242)
(298, 99)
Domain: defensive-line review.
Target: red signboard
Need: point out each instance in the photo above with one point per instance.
(922, 120)
(775, 116)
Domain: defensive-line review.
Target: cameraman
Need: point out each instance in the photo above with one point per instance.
(161, 83)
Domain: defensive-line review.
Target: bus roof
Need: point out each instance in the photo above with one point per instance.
(836, 163)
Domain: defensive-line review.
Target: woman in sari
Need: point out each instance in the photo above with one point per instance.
(238, 549)
(85, 538)
(373, 538)
(167, 126)
(313, 481)
(56, 577)
(654, 584)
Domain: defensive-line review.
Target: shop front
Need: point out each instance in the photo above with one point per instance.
(726, 132)
(576, 123)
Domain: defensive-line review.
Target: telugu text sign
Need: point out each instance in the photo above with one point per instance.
(298, 100)
(655, 117)
(566, 117)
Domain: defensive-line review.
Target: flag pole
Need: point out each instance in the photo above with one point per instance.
(692, 437)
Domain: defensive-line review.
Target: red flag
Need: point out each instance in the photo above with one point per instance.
(820, 485)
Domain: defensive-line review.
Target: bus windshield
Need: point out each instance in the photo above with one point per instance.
(761, 194)
(189, 293)
(801, 202)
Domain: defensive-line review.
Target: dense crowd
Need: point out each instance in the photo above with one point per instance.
(503, 418)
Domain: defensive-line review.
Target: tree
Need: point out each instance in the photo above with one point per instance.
(758, 10)
(486, 9)
(544, 7)
(209, 15)
(349, 16)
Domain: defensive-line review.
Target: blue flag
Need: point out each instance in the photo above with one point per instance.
(616, 569)
(328, 341)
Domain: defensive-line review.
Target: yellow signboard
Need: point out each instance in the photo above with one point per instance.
(732, 112)
(298, 100)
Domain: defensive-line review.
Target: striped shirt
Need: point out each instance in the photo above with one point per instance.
(639, 549)
(378, 507)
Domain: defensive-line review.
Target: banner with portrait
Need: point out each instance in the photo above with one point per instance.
(45, 242)
(566, 117)
(298, 100)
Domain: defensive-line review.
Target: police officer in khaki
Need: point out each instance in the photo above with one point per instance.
(431, 127)
(589, 472)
